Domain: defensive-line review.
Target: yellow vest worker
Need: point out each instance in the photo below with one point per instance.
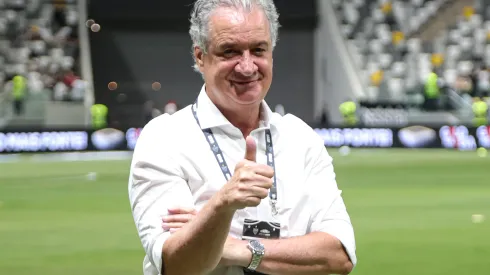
(431, 87)
(348, 110)
(19, 87)
(480, 110)
(99, 116)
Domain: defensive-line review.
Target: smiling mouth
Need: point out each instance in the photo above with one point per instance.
(243, 82)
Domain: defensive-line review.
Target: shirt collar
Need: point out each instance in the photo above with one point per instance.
(210, 116)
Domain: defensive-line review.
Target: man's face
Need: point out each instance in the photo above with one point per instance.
(238, 66)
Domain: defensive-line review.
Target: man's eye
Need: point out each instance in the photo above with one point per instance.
(259, 51)
(229, 52)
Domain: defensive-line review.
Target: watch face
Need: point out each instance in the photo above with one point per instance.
(256, 245)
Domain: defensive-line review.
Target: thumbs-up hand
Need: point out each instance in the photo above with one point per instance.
(250, 182)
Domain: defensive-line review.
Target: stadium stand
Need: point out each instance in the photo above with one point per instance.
(394, 62)
(39, 41)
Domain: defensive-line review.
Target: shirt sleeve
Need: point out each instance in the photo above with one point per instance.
(156, 183)
(329, 211)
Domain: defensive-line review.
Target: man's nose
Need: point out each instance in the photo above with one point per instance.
(246, 65)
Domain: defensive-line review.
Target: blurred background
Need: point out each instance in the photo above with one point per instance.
(398, 89)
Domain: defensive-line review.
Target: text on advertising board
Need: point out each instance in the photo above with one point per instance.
(43, 141)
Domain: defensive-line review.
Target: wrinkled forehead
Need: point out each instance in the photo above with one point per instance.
(238, 25)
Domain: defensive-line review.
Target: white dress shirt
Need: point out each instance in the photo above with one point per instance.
(173, 166)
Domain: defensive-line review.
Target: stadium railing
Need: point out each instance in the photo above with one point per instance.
(85, 59)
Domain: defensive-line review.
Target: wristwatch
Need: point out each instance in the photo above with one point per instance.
(258, 251)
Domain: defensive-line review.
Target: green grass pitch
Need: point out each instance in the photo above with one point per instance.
(411, 211)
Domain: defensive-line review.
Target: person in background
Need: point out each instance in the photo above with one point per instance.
(19, 91)
(348, 110)
(99, 114)
(78, 90)
(75, 86)
(150, 111)
(170, 108)
(324, 118)
(280, 109)
(483, 82)
(241, 189)
(480, 111)
(432, 92)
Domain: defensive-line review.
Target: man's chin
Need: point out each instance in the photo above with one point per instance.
(248, 96)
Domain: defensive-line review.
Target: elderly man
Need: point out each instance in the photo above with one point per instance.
(240, 189)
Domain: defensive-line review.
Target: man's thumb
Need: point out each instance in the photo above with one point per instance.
(250, 149)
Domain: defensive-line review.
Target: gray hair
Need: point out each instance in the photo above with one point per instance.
(199, 30)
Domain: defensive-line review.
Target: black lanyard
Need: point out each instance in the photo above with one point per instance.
(218, 154)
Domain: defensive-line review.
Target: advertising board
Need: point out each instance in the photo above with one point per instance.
(109, 139)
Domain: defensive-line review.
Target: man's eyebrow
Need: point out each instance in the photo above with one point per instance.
(260, 43)
(226, 45)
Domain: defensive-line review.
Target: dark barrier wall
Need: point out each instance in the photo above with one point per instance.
(136, 59)
(294, 14)
(451, 137)
(142, 43)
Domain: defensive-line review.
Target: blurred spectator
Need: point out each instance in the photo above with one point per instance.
(60, 91)
(99, 114)
(480, 111)
(78, 89)
(483, 82)
(432, 92)
(147, 111)
(464, 86)
(150, 111)
(75, 86)
(35, 83)
(280, 109)
(19, 87)
(474, 83)
(170, 108)
(348, 110)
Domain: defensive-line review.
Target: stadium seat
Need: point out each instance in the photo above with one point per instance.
(397, 89)
(450, 76)
(376, 46)
(67, 63)
(372, 93)
(385, 60)
(388, 53)
(414, 45)
(465, 68)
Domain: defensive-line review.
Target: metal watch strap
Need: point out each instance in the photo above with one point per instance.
(256, 259)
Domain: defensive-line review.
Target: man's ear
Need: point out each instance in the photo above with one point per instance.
(199, 57)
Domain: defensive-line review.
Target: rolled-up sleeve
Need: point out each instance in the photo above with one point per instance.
(329, 211)
(156, 183)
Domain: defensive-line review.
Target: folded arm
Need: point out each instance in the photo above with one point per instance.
(329, 245)
(157, 184)
(312, 254)
(328, 249)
